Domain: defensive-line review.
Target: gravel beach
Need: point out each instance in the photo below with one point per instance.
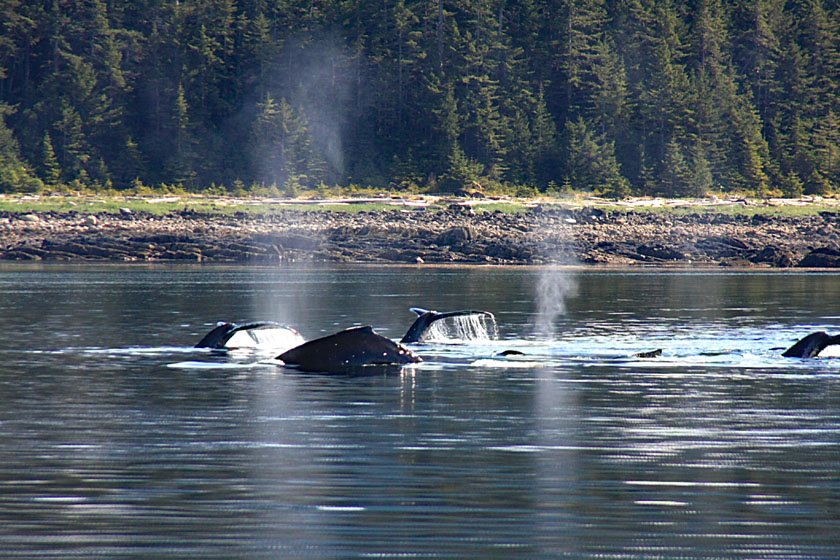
(453, 234)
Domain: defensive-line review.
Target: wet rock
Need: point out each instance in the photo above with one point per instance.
(660, 252)
(737, 262)
(448, 236)
(824, 257)
(20, 255)
(773, 256)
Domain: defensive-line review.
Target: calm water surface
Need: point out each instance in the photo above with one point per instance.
(117, 440)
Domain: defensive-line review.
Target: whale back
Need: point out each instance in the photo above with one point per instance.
(347, 351)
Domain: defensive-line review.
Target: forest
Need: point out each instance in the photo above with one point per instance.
(609, 97)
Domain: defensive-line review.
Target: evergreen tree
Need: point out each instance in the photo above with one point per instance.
(14, 174)
(745, 93)
(583, 22)
(183, 156)
(701, 179)
(676, 176)
(463, 172)
(592, 165)
(50, 170)
(282, 147)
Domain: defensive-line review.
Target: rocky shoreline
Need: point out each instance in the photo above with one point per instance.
(543, 234)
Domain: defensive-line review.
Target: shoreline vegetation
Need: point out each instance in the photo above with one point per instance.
(646, 232)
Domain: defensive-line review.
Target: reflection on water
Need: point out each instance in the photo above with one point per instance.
(720, 449)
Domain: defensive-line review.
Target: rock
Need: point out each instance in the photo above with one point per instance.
(449, 236)
(660, 252)
(824, 257)
(785, 261)
(774, 256)
(737, 262)
(455, 236)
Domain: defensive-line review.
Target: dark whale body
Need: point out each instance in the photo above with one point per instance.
(348, 351)
(426, 318)
(811, 345)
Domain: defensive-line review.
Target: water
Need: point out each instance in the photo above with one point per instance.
(119, 441)
(466, 329)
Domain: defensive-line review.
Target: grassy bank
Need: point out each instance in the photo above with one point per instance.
(162, 205)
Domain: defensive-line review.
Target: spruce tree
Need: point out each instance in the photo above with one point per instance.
(591, 163)
(14, 174)
(676, 176)
(49, 168)
(182, 159)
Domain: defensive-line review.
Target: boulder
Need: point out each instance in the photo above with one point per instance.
(455, 236)
(773, 256)
(824, 257)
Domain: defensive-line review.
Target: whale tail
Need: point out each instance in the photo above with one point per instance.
(811, 345)
(425, 319)
(259, 334)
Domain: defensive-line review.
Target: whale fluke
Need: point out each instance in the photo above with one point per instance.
(811, 345)
(261, 334)
(347, 352)
(426, 318)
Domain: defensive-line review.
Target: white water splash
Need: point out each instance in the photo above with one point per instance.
(476, 327)
(278, 339)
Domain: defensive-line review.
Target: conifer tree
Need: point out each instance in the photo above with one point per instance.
(50, 170)
(591, 163)
(676, 176)
(744, 91)
(701, 180)
(14, 174)
(182, 159)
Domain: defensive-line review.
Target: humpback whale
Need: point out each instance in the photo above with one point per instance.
(262, 334)
(811, 345)
(425, 318)
(347, 352)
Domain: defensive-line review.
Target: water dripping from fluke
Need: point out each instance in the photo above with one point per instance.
(464, 328)
(451, 326)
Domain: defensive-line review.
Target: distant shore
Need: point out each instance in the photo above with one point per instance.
(455, 233)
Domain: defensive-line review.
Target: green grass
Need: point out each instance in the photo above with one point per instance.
(100, 204)
(91, 204)
(506, 207)
(791, 211)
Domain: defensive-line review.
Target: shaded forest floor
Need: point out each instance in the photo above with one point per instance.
(424, 230)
